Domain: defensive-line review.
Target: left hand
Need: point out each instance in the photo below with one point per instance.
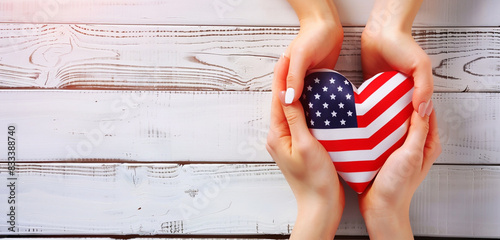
(316, 46)
(306, 165)
(387, 45)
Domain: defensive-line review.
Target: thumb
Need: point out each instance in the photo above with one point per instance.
(296, 119)
(294, 113)
(296, 73)
(424, 84)
(419, 128)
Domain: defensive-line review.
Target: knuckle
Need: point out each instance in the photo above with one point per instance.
(271, 142)
(412, 162)
(300, 50)
(291, 78)
(439, 149)
(304, 146)
(291, 116)
(435, 146)
(424, 61)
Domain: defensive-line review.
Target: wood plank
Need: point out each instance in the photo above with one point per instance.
(212, 57)
(74, 125)
(145, 199)
(231, 12)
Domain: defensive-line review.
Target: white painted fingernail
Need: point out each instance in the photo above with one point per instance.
(428, 111)
(290, 94)
(422, 108)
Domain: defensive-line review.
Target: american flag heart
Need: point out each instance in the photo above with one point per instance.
(359, 128)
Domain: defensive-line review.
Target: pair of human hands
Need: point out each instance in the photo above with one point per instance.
(305, 163)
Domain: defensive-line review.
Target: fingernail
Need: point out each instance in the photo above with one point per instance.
(283, 55)
(290, 94)
(282, 97)
(422, 108)
(429, 108)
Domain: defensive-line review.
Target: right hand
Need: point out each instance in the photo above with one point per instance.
(385, 205)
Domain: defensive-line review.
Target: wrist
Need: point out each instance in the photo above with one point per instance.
(388, 223)
(393, 15)
(315, 11)
(317, 219)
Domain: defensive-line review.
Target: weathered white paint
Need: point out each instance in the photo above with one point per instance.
(55, 125)
(211, 58)
(232, 12)
(111, 198)
(155, 52)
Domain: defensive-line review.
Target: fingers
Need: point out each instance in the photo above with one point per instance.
(278, 124)
(418, 131)
(432, 145)
(424, 84)
(294, 113)
(299, 63)
(280, 71)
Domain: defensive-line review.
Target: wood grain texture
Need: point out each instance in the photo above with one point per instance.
(231, 12)
(154, 199)
(212, 57)
(74, 125)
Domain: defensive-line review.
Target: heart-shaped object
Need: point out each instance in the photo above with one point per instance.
(359, 127)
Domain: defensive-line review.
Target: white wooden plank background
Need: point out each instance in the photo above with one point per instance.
(232, 12)
(227, 70)
(200, 126)
(212, 57)
(112, 198)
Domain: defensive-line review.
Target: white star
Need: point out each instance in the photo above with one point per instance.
(309, 88)
(348, 96)
(325, 89)
(312, 123)
(332, 81)
(327, 123)
(310, 105)
(349, 113)
(334, 114)
(316, 96)
(332, 96)
(325, 105)
(318, 114)
(316, 80)
(339, 89)
(346, 82)
(342, 122)
(341, 105)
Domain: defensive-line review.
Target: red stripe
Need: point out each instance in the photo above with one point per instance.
(384, 104)
(373, 86)
(358, 187)
(368, 165)
(371, 142)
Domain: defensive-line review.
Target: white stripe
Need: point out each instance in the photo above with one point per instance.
(357, 133)
(379, 94)
(372, 154)
(358, 177)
